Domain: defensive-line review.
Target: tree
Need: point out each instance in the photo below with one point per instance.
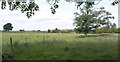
(56, 30)
(31, 6)
(90, 19)
(38, 30)
(49, 31)
(21, 30)
(8, 27)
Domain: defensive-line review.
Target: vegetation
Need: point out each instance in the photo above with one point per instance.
(98, 38)
(89, 20)
(48, 46)
(22, 30)
(115, 2)
(8, 27)
(56, 30)
(30, 7)
(27, 8)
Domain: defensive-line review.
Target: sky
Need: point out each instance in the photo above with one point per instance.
(44, 19)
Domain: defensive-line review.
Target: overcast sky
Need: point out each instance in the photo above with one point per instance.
(44, 19)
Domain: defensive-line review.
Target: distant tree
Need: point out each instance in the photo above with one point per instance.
(49, 31)
(22, 30)
(8, 27)
(33, 30)
(56, 30)
(38, 30)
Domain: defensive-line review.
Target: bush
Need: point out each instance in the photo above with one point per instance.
(118, 30)
(21, 30)
(66, 31)
(38, 30)
(56, 30)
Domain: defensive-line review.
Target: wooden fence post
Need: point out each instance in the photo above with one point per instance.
(11, 43)
(26, 44)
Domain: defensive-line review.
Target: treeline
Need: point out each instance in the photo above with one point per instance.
(108, 30)
(97, 31)
(56, 30)
(102, 30)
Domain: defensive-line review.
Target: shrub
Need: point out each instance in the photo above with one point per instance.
(38, 30)
(21, 30)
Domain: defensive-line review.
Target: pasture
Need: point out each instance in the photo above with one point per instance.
(60, 46)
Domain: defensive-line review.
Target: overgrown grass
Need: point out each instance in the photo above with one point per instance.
(46, 46)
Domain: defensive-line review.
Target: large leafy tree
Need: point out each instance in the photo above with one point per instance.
(89, 19)
(8, 27)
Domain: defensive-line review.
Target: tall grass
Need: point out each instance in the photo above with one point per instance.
(46, 46)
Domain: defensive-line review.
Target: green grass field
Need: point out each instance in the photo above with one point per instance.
(62, 46)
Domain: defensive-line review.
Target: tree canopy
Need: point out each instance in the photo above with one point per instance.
(30, 7)
(25, 7)
(90, 19)
(8, 27)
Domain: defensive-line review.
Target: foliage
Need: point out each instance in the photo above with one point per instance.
(31, 6)
(56, 30)
(22, 30)
(115, 2)
(118, 30)
(111, 29)
(28, 8)
(8, 27)
(25, 7)
(49, 31)
(54, 5)
(89, 19)
(38, 30)
(66, 31)
(83, 1)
